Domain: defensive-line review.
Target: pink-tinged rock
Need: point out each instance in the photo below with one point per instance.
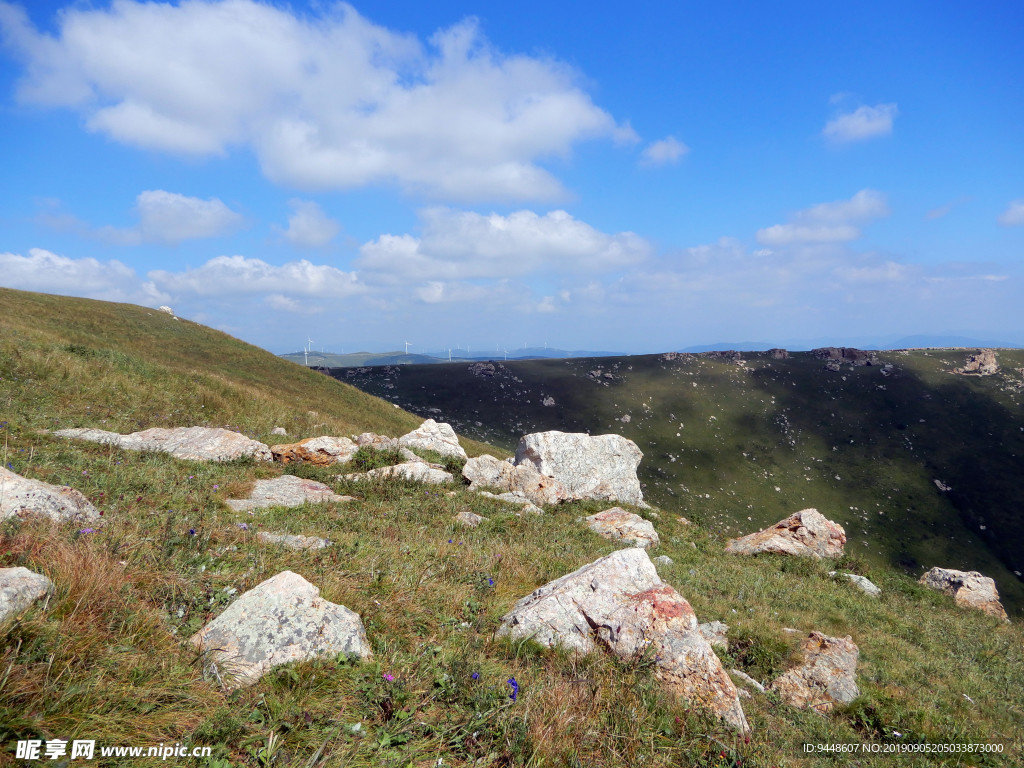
(828, 675)
(432, 436)
(20, 496)
(619, 602)
(191, 443)
(600, 467)
(619, 525)
(806, 533)
(320, 451)
(416, 471)
(968, 589)
(284, 619)
(19, 588)
(285, 491)
(523, 479)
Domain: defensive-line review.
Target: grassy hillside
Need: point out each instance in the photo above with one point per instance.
(738, 447)
(105, 657)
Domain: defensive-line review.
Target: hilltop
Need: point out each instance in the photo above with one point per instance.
(106, 657)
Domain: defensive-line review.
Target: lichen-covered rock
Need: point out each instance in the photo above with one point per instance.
(416, 471)
(968, 589)
(983, 363)
(20, 496)
(600, 467)
(865, 585)
(281, 620)
(431, 436)
(377, 442)
(293, 541)
(620, 602)
(523, 479)
(192, 443)
(279, 431)
(716, 633)
(285, 491)
(806, 533)
(320, 451)
(827, 676)
(618, 524)
(468, 518)
(19, 588)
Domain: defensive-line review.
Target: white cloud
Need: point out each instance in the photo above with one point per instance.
(835, 222)
(164, 217)
(1013, 216)
(465, 245)
(863, 123)
(227, 275)
(663, 152)
(326, 99)
(309, 226)
(288, 304)
(49, 272)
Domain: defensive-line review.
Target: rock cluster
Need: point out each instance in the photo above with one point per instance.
(523, 480)
(19, 588)
(847, 355)
(826, 677)
(805, 533)
(193, 443)
(599, 467)
(984, 363)
(968, 588)
(281, 620)
(618, 524)
(293, 541)
(21, 496)
(320, 451)
(285, 491)
(619, 602)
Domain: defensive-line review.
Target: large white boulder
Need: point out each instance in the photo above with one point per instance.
(827, 676)
(19, 588)
(620, 603)
(194, 443)
(432, 436)
(21, 496)
(968, 589)
(599, 467)
(619, 525)
(281, 620)
(524, 480)
(285, 491)
(806, 533)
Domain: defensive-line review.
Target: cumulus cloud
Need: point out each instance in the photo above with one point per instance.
(836, 222)
(170, 218)
(233, 275)
(663, 152)
(463, 245)
(863, 123)
(309, 226)
(325, 99)
(1013, 216)
(49, 272)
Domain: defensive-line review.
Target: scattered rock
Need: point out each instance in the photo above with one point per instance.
(548, 402)
(863, 584)
(378, 442)
(983, 363)
(191, 443)
(321, 451)
(847, 355)
(293, 541)
(716, 633)
(285, 491)
(524, 480)
(664, 560)
(431, 436)
(19, 588)
(747, 679)
(620, 602)
(20, 496)
(968, 588)
(777, 353)
(601, 467)
(827, 676)
(166, 310)
(284, 619)
(468, 518)
(616, 523)
(530, 508)
(942, 486)
(805, 533)
(279, 431)
(416, 471)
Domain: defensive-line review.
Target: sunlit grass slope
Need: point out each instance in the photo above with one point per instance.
(106, 656)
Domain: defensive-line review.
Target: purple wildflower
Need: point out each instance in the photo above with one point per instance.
(389, 677)
(515, 688)
(191, 531)
(87, 530)
(475, 676)
(244, 526)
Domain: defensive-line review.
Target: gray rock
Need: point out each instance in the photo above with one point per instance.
(279, 431)
(416, 471)
(285, 491)
(432, 436)
(601, 467)
(618, 524)
(806, 533)
(468, 518)
(968, 589)
(716, 633)
(827, 676)
(375, 441)
(863, 584)
(20, 496)
(619, 602)
(19, 588)
(747, 679)
(321, 451)
(284, 619)
(664, 560)
(293, 541)
(192, 443)
(523, 479)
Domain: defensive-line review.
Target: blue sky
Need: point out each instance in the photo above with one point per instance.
(453, 174)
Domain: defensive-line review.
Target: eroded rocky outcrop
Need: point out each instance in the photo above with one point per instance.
(968, 589)
(21, 496)
(806, 533)
(984, 362)
(619, 525)
(524, 480)
(193, 443)
(285, 491)
(320, 451)
(827, 676)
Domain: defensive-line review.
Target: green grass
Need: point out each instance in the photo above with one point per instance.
(107, 657)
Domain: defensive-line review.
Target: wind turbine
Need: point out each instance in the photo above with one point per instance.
(306, 349)
(407, 347)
